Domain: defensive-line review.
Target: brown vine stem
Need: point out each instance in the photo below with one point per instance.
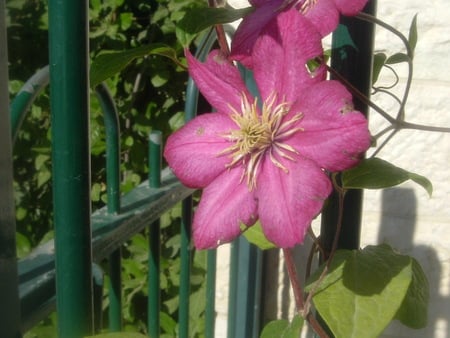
(221, 37)
(296, 288)
(341, 193)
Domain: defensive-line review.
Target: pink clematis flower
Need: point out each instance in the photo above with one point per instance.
(266, 158)
(323, 14)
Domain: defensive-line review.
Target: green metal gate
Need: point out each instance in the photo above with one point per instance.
(64, 273)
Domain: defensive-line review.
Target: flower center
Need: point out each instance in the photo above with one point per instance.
(261, 132)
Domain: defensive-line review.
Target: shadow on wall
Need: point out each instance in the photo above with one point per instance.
(398, 229)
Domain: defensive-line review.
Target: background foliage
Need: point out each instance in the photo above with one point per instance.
(149, 93)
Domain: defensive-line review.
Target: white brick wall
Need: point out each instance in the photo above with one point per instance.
(405, 216)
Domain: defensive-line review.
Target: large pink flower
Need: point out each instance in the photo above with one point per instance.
(323, 14)
(266, 158)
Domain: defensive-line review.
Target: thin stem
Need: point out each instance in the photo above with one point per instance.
(221, 37)
(409, 52)
(304, 312)
(391, 135)
(408, 125)
(341, 194)
(292, 272)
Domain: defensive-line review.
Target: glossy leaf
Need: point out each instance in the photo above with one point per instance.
(370, 287)
(375, 173)
(108, 64)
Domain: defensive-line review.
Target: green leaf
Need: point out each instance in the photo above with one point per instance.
(294, 328)
(118, 335)
(375, 173)
(126, 20)
(412, 38)
(378, 62)
(274, 328)
(255, 235)
(23, 245)
(366, 291)
(197, 19)
(414, 309)
(398, 58)
(108, 64)
(283, 329)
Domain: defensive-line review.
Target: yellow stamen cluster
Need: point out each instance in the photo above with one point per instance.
(260, 133)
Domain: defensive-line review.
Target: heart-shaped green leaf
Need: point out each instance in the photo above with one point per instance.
(363, 291)
(375, 173)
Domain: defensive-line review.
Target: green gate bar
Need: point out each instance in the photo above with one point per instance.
(25, 97)
(154, 295)
(9, 295)
(352, 58)
(69, 78)
(112, 129)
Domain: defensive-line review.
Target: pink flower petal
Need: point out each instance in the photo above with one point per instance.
(224, 205)
(280, 55)
(192, 151)
(334, 134)
(324, 16)
(249, 30)
(350, 7)
(218, 80)
(288, 202)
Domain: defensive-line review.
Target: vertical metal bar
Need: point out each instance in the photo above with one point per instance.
(232, 292)
(352, 57)
(115, 291)
(185, 272)
(97, 277)
(111, 119)
(247, 291)
(9, 295)
(186, 221)
(210, 311)
(69, 78)
(187, 205)
(154, 296)
(246, 274)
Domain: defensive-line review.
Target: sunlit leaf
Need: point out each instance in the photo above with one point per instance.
(370, 286)
(273, 328)
(375, 173)
(255, 235)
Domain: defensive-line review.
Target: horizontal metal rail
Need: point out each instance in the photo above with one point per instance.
(139, 208)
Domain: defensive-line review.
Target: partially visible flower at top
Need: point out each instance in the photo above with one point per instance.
(323, 14)
(267, 158)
